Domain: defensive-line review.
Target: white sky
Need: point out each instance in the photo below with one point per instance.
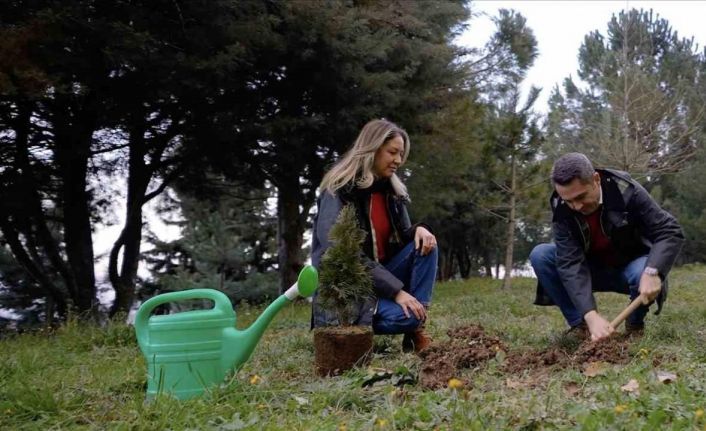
(560, 27)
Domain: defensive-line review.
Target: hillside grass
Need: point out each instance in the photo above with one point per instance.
(94, 378)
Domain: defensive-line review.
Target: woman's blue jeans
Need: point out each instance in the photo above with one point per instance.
(418, 274)
(624, 280)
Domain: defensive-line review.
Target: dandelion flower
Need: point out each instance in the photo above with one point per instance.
(455, 383)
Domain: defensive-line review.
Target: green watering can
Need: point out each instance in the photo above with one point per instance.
(189, 352)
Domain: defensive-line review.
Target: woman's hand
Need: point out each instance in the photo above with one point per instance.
(409, 302)
(424, 241)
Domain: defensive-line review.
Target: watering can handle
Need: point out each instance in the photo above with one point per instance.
(220, 300)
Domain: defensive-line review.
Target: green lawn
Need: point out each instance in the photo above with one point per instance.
(93, 378)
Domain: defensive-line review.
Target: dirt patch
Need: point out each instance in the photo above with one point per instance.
(613, 350)
(518, 362)
(468, 346)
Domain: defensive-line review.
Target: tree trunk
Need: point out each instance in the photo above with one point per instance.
(25, 202)
(77, 227)
(75, 120)
(130, 238)
(488, 264)
(290, 231)
(446, 263)
(464, 262)
(510, 245)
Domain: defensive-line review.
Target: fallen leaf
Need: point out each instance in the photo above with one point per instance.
(572, 389)
(666, 377)
(594, 369)
(301, 400)
(513, 384)
(632, 386)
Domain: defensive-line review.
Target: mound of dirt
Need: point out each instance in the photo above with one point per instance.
(518, 362)
(468, 346)
(613, 350)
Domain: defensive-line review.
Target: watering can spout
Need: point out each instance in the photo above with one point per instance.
(238, 345)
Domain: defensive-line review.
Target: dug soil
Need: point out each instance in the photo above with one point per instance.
(469, 347)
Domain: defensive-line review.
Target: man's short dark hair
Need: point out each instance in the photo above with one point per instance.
(570, 166)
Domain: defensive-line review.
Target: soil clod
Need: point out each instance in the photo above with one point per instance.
(469, 346)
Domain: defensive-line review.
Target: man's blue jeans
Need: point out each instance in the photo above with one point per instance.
(624, 280)
(418, 274)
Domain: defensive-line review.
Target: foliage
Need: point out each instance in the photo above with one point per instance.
(86, 377)
(320, 71)
(227, 244)
(88, 89)
(480, 157)
(641, 110)
(345, 280)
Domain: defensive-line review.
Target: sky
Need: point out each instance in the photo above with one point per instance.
(560, 27)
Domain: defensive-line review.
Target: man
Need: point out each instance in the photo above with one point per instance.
(609, 235)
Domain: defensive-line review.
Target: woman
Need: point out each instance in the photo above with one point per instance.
(402, 258)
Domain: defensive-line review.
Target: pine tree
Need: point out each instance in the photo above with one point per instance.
(344, 279)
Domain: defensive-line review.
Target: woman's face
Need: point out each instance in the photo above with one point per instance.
(389, 157)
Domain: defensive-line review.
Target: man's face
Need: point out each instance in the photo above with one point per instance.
(579, 196)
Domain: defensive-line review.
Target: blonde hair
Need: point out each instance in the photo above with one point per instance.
(357, 163)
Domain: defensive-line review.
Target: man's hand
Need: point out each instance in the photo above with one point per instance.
(598, 326)
(424, 241)
(410, 303)
(650, 285)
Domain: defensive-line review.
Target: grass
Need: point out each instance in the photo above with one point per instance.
(94, 378)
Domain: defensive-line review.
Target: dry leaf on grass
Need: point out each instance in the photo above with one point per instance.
(513, 383)
(572, 389)
(666, 377)
(632, 386)
(594, 369)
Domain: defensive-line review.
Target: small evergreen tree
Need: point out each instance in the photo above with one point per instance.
(345, 281)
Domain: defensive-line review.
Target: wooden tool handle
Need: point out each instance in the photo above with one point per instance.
(625, 313)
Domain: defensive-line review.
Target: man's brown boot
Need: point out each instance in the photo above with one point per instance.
(416, 340)
(580, 332)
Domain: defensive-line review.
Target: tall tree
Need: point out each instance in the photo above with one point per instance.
(134, 81)
(326, 69)
(513, 132)
(641, 111)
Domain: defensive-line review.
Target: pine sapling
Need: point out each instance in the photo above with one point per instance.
(345, 280)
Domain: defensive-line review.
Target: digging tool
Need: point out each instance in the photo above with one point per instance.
(628, 310)
(641, 299)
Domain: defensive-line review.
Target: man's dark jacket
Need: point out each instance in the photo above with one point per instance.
(402, 232)
(636, 226)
